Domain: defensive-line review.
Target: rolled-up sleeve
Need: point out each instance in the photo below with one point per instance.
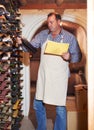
(36, 41)
(75, 51)
(39, 39)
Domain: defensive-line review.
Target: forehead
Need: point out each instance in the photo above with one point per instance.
(51, 18)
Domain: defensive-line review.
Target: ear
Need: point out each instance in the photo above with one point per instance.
(61, 23)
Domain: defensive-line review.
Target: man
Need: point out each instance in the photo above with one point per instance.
(53, 72)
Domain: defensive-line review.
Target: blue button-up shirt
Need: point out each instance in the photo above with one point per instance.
(63, 37)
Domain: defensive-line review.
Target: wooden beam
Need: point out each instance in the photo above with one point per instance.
(59, 2)
(23, 2)
(54, 6)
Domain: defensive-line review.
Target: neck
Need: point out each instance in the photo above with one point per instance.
(54, 34)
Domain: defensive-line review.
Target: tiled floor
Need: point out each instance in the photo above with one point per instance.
(28, 125)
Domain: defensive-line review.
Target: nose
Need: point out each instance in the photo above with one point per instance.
(49, 24)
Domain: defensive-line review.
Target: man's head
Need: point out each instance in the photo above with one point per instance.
(57, 16)
(54, 21)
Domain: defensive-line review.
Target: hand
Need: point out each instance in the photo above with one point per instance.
(19, 40)
(66, 56)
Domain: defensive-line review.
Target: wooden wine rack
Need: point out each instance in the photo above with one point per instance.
(10, 71)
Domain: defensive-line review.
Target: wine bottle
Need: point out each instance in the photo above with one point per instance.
(4, 125)
(15, 62)
(3, 85)
(16, 55)
(3, 56)
(14, 70)
(6, 48)
(5, 109)
(4, 92)
(3, 76)
(4, 100)
(15, 87)
(15, 106)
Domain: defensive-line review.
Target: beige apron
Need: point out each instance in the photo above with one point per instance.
(52, 79)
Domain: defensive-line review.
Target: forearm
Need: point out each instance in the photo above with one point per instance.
(26, 45)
